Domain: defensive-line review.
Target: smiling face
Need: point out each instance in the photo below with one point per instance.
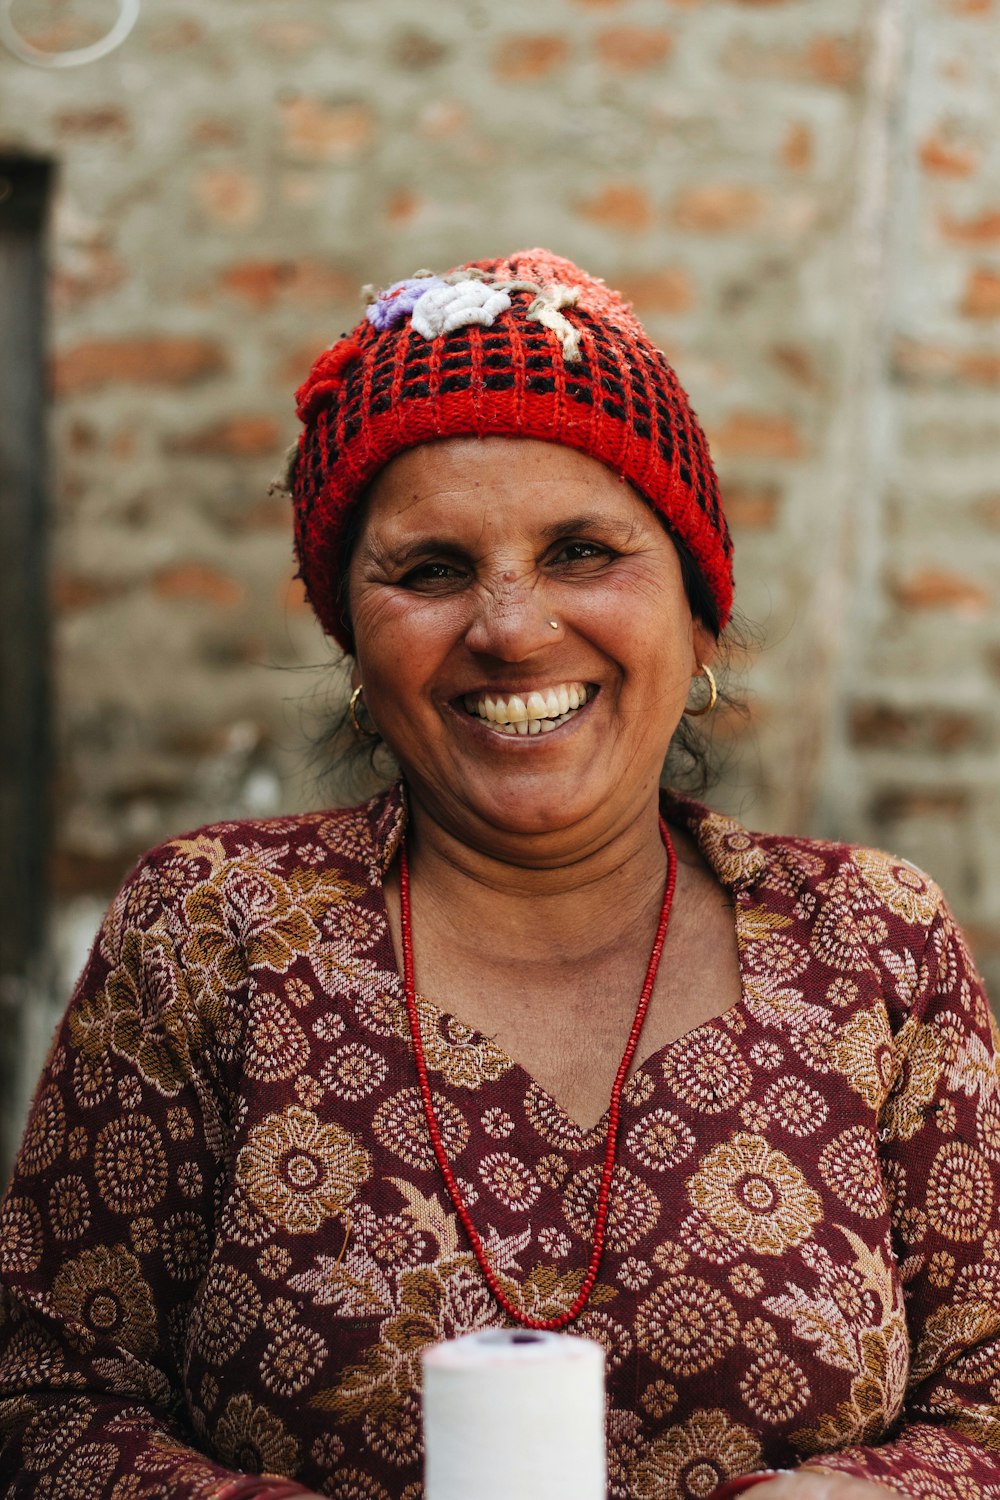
(508, 730)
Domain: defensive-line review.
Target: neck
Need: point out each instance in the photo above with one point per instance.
(541, 900)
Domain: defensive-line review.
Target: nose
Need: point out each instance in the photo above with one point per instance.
(510, 620)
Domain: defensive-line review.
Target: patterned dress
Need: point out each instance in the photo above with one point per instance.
(226, 1241)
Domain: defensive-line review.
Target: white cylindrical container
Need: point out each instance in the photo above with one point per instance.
(514, 1414)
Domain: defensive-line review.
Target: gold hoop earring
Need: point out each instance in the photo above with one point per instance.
(352, 713)
(713, 693)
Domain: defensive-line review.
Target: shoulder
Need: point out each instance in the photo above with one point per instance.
(870, 879)
(743, 858)
(242, 872)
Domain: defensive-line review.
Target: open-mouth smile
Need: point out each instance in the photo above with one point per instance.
(535, 712)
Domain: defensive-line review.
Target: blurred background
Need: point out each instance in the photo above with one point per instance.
(802, 198)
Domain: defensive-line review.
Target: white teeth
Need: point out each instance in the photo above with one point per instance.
(537, 712)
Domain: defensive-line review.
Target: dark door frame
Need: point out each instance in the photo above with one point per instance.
(25, 190)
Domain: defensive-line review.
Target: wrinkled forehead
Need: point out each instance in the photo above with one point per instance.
(498, 485)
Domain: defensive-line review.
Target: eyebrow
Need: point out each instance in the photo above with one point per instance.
(378, 552)
(589, 521)
(585, 523)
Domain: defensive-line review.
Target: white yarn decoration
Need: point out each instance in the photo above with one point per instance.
(443, 308)
(545, 310)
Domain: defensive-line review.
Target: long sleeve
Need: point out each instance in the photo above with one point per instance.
(940, 1133)
(107, 1226)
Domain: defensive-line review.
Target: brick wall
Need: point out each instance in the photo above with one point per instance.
(801, 196)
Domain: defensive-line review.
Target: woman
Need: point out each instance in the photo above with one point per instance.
(518, 1040)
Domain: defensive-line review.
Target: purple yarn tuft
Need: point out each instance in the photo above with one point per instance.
(399, 300)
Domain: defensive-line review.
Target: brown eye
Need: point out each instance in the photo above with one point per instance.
(430, 575)
(574, 552)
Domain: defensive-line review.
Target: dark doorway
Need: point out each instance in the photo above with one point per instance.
(25, 185)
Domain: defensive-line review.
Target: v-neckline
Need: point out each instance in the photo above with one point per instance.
(586, 1137)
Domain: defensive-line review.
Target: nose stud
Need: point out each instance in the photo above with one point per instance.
(553, 624)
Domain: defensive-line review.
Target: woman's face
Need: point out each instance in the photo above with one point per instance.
(468, 549)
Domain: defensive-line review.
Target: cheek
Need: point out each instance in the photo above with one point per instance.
(401, 641)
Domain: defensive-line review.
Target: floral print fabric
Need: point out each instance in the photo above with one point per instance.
(226, 1241)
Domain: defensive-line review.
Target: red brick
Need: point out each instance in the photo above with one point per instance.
(797, 363)
(620, 205)
(987, 511)
(938, 364)
(530, 55)
(983, 229)
(326, 132)
(262, 282)
(403, 206)
(85, 273)
(668, 290)
(751, 507)
(797, 147)
(176, 36)
(630, 49)
(216, 132)
(894, 804)
(234, 437)
(718, 207)
(982, 293)
(942, 157)
(756, 434)
(229, 197)
(415, 51)
(74, 591)
(831, 60)
(259, 282)
(269, 513)
(939, 588)
(291, 35)
(82, 438)
(164, 359)
(100, 119)
(200, 583)
(318, 283)
(880, 726)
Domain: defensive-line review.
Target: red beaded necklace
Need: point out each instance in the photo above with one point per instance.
(614, 1108)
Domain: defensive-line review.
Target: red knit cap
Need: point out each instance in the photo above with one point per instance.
(529, 346)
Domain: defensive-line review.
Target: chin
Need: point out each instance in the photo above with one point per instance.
(532, 807)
